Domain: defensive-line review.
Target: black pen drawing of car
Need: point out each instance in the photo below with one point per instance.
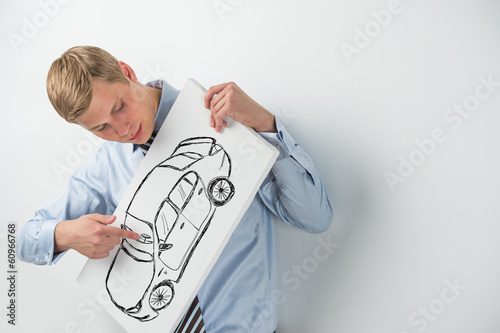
(171, 210)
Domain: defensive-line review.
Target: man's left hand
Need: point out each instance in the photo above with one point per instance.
(227, 99)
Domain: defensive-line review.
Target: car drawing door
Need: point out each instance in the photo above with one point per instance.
(182, 234)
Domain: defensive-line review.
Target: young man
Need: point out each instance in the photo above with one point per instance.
(89, 87)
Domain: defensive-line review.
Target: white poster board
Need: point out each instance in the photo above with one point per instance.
(185, 200)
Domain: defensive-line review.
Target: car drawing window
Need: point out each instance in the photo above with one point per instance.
(165, 219)
(215, 149)
(197, 210)
(193, 155)
(181, 161)
(182, 191)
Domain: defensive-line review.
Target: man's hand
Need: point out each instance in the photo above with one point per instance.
(90, 235)
(228, 99)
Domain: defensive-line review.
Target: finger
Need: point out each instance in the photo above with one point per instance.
(212, 120)
(97, 252)
(219, 98)
(215, 110)
(105, 219)
(219, 119)
(215, 104)
(213, 91)
(121, 233)
(106, 248)
(101, 255)
(101, 248)
(212, 116)
(112, 241)
(210, 105)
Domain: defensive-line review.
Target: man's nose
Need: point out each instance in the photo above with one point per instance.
(122, 127)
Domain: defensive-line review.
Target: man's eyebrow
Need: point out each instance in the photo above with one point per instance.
(113, 108)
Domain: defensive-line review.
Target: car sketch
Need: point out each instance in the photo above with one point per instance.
(171, 210)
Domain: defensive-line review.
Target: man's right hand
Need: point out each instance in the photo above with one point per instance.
(90, 235)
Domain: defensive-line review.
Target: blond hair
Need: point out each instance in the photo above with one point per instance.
(69, 81)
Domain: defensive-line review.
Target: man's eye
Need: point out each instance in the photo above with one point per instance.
(102, 128)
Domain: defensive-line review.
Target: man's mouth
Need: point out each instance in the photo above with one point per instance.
(137, 134)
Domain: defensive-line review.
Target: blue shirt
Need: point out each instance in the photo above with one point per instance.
(237, 294)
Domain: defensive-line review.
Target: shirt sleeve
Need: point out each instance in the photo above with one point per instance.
(293, 190)
(83, 195)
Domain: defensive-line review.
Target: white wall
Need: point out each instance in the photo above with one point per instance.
(397, 251)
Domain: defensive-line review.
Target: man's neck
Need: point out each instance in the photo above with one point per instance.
(155, 96)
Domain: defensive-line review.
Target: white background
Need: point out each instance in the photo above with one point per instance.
(397, 250)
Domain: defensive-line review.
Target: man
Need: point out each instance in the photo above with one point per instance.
(89, 87)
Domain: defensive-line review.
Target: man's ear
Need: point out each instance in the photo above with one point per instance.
(127, 71)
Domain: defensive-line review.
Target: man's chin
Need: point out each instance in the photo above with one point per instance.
(144, 138)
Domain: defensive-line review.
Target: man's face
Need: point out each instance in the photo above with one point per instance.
(121, 112)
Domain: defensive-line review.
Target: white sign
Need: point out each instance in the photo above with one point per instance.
(186, 199)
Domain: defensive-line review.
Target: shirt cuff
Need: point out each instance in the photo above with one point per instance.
(46, 237)
(286, 145)
(278, 139)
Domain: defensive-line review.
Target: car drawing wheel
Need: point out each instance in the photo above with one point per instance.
(220, 191)
(161, 296)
